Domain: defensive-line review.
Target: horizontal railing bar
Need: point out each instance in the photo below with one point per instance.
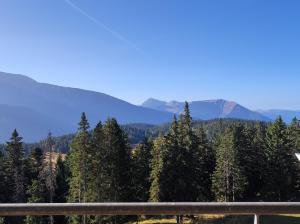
(149, 208)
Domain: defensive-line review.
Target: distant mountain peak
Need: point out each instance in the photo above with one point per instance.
(153, 101)
(207, 109)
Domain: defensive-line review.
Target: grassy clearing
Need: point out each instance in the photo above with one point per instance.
(210, 219)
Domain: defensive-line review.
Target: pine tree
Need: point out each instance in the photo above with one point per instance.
(157, 162)
(48, 173)
(228, 179)
(117, 175)
(186, 135)
(35, 163)
(3, 196)
(36, 190)
(97, 167)
(62, 187)
(61, 190)
(294, 134)
(189, 147)
(3, 192)
(98, 163)
(38, 193)
(255, 162)
(282, 163)
(294, 138)
(15, 167)
(50, 167)
(168, 168)
(173, 176)
(118, 166)
(141, 170)
(78, 162)
(204, 167)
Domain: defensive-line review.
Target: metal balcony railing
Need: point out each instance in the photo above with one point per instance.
(255, 209)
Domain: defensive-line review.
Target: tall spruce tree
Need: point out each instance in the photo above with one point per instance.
(294, 134)
(255, 165)
(61, 176)
(173, 176)
(157, 162)
(50, 167)
(49, 170)
(37, 193)
(294, 137)
(228, 179)
(98, 163)
(204, 166)
(97, 168)
(118, 166)
(36, 190)
(117, 169)
(14, 163)
(3, 196)
(168, 182)
(191, 156)
(141, 158)
(62, 187)
(170, 172)
(35, 163)
(78, 162)
(15, 167)
(282, 163)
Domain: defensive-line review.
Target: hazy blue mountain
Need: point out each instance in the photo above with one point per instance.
(31, 124)
(41, 107)
(208, 109)
(36, 108)
(287, 115)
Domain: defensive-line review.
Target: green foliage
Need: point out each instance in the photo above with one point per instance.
(182, 160)
(62, 187)
(173, 171)
(36, 184)
(252, 157)
(15, 168)
(15, 172)
(118, 162)
(294, 134)
(228, 179)
(3, 195)
(283, 167)
(157, 162)
(78, 165)
(141, 157)
(204, 166)
(223, 160)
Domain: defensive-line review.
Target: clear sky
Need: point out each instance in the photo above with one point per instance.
(242, 50)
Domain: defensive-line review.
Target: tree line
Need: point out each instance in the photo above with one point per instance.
(241, 162)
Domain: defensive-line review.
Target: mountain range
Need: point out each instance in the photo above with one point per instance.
(207, 109)
(35, 108)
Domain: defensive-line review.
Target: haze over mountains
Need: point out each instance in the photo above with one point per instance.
(287, 115)
(207, 109)
(36, 108)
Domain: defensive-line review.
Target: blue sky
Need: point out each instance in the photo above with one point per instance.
(246, 51)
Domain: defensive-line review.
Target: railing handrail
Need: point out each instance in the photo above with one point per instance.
(176, 208)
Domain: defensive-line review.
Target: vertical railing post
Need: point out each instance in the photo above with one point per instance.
(256, 219)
